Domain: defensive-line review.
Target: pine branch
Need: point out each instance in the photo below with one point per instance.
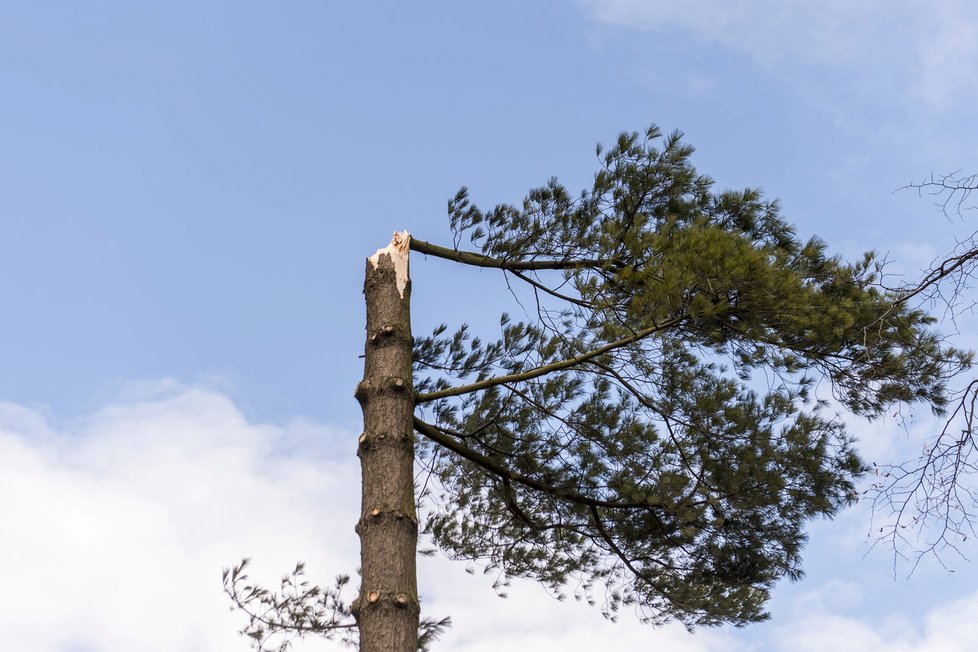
(298, 610)
(294, 611)
(481, 260)
(448, 439)
(543, 370)
(551, 291)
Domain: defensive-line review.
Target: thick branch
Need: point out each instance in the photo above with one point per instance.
(543, 370)
(481, 260)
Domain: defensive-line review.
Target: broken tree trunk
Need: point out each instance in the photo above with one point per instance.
(387, 608)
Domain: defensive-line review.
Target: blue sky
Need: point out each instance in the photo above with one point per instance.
(187, 196)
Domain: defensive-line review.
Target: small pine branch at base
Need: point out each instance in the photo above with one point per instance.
(298, 609)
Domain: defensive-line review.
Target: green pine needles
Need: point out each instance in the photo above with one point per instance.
(654, 435)
(657, 434)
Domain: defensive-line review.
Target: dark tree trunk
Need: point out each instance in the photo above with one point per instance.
(387, 608)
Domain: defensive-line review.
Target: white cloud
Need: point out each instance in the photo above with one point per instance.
(115, 526)
(930, 47)
(952, 627)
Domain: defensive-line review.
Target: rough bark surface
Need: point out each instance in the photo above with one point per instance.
(387, 608)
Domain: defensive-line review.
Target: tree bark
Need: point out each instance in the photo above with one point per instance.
(387, 608)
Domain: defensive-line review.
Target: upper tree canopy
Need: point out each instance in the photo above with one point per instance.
(655, 428)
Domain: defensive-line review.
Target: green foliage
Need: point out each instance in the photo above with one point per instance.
(657, 433)
(297, 609)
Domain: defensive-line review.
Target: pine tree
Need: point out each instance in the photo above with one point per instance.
(657, 433)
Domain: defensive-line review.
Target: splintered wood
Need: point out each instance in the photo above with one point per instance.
(398, 250)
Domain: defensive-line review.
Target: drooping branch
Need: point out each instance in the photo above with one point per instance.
(933, 491)
(551, 291)
(449, 440)
(607, 538)
(543, 370)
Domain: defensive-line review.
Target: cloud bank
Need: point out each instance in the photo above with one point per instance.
(115, 526)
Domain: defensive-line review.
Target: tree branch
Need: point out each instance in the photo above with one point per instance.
(445, 438)
(596, 517)
(550, 291)
(543, 370)
(936, 274)
(481, 260)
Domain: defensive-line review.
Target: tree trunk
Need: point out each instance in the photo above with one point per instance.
(387, 608)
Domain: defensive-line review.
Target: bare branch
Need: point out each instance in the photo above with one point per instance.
(952, 189)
